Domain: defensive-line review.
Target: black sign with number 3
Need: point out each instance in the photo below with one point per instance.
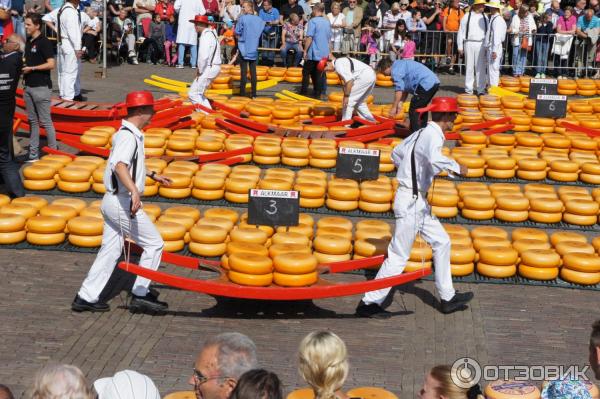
(273, 207)
(357, 164)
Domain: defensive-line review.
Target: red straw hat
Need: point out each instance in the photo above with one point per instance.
(322, 64)
(441, 104)
(139, 99)
(200, 19)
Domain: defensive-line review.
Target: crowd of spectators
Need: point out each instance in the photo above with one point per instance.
(227, 367)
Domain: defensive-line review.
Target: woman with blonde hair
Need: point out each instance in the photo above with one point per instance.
(323, 363)
(60, 381)
(438, 384)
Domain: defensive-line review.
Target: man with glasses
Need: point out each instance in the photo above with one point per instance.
(220, 363)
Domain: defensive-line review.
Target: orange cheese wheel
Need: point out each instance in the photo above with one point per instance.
(498, 256)
(295, 280)
(25, 210)
(85, 226)
(577, 277)
(249, 235)
(496, 272)
(512, 202)
(529, 233)
(560, 236)
(582, 207)
(290, 237)
(538, 273)
(488, 231)
(249, 263)
(10, 223)
(511, 216)
(207, 234)
(216, 221)
(484, 242)
(246, 247)
(170, 231)
(331, 244)
(566, 247)
(174, 245)
(45, 238)
(279, 249)
(462, 269)
(39, 185)
(583, 262)
(477, 214)
(36, 202)
(540, 258)
(35, 172)
(85, 241)
(461, 254)
(525, 244)
(254, 280)
(63, 211)
(74, 187)
(12, 237)
(546, 205)
(295, 263)
(531, 174)
(581, 220)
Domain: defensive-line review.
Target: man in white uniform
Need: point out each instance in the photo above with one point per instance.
(493, 42)
(418, 160)
(209, 60)
(359, 80)
(186, 32)
(471, 33)
(69, 51)
(124, 178)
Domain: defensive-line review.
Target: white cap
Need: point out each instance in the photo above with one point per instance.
(126, 384)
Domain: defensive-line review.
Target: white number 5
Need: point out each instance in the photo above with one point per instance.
(358, 168)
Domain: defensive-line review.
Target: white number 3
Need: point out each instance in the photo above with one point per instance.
(272, 207)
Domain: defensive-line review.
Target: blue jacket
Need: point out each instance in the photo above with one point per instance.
(408, 75)
(249, 30)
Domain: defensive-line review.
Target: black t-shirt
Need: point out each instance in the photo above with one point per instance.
(37, 52)
(286, 10)
(428, 12)
(10, 71)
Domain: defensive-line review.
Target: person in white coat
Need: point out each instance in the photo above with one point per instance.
(493, 42)
(358, 80)
(186, 31)
(419, 160)
(69, 51)
(124, 217)
(209, 61)
(469, 40)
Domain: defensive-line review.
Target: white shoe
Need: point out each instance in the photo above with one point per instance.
(543, 76)
(538, 75)
(179, 66)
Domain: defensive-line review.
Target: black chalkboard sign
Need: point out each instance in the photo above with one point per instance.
(548, 106)
(273, 207)
(357, 164)
(542, 86)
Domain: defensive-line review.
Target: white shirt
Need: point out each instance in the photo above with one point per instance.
(70, 27)
(478, 25)
(123, 147)
(52, 16)
(92, 23)
(187, 9)
(343, 68)
(496, 32)
(206, 50)
(336, 33)
(429, 161)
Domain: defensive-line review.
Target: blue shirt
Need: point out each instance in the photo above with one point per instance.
(408, 75)
(272, 15)
(249, 31)
(319, 29)
(583, 23)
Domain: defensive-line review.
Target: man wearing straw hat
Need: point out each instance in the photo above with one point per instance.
(209, 60)
(471, 33)
(125, 178)
(418, 160)
(493, 42)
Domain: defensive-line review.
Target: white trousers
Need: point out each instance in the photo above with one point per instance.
(414, 217)
(475, 63)
(494, 65)
(68, 73)
(361, 89)
(201, 84)
(117, 224)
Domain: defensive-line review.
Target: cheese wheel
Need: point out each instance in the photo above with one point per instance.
(74, 174)
(25, 210)
(589, 178)
(525, 244)
(461, 254)
(343, 192)
(295, 263)
(290, 237)
(10, 223)
(246, 247)
(496, 271)
(531, 174)
(186, 211)
(279, 249)
(444, 211)
(45, 238)
(341, 205)
(63, 211)
(295, 280)
(85, 241)
(39, 185)
(511, 216)
(538, 273)
(564, 166)
(216, 221)
(498, 256)
(582, 207)
(477, 214)
(488, 231)
(35, 172)
(483, 242)
(480, 203)
(541, 258)
(85, 226)
(332, 244)
(560, 236)
(330, 258)
(566, 247)
(12, 237)
(334, 221)
(532, 164)
(412, 266)
(546, 205)
(577, 277)
(371, 247)
(443, 199)
(562, 176)
(462, 269)
(170, 231)
(74, 187)
(583, 262)
(529, 233)
(254, 280)
(250, 235)
(207, 234)
(420, 253)
(36, 202)
(581, 220)
(512, 202)
(249, 263)
(346, 234)
(173, 246)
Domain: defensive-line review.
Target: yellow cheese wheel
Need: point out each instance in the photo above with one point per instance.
(324, 258)
(496, 271)
(25, 210)
(477, 214)
(63, 211)
(74, 187)
(566, 247)
(589, 178)
(246, 247)
(250, 279)
(12, 237)
(207, 234)
(249, 263)
(73, 174)
(295, 280)
(577, 277)
(45, 238)
(564, 166)
(39, 185)
(488, 231)
(581, 220)
(546, 205)
(279, 249)
(583, 262)
(562, 176)
(444, 211)
(170, 231)
(538, 273)
(498, 256)
(85, 226)
(10, 223)
(525, 244)
(35, 172)
(371, 247)
(250, 235)
(462, 254)
(334, 221)
(484, 242)
(511, 216)
(560, 236)
(207, 250)
(76, 203)
(529, 233)
(207, 195)
(216, 221)
(412, 266)
(582, 207)
(478, 202)
(512, 202)
(173, 245)
(295, 263)
(85, 241)
(36, 202)
(332, 244)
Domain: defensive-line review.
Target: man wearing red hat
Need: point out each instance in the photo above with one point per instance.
(418, 160)
(209, 60)
(124, 178)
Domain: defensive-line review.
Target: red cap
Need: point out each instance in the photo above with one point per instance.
(441, 104)
(139, 99)
(322, 64)
(200, 19)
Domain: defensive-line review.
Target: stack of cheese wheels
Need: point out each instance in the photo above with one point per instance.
(385, 156)
(510, 83)
(252, 269)
(46, 229)
(372, 238)
(477, 202)
(186, 216)
(75, 177)
(311, 184)
(267, 150)
(586, 87)
(581, 268)
(496, 257)
(323, 153)
(342, 195)
(214, 218)
(531, 169)
(209, 182)
(462, 253)
(567, 87)
(41, 175)
(295, 151)
(565, 242)
(155, 142)
(566, 171)
(474, 163)
(443, 198)
(98, 180)
(582, 211)
(34, 201)
(511, 206)
(295, 269)
(277, 73)
(241, 179)
(332, 242)
(85, 231)
(501, 167)
(284, 115)
(376, 195)
(420, 256)
(293, 75)
(544, 205)
(590, 173)
(239, 141)
(384, 80)
(12, 226)
(209, 141)
(96, 138)
(209, 240)
(222, 81)
(509, 389)
(182, 142)
(173, 234)
(473, 139)
(180, 187)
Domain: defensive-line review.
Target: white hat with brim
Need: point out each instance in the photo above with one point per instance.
(126, 384)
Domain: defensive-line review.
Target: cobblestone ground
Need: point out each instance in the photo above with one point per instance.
(504, 325)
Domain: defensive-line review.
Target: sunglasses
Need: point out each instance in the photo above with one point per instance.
(201, 378)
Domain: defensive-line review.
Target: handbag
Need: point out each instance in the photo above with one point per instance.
(525, 43)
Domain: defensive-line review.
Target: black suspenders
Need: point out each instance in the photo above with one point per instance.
(350, 60)
(134, 159)
(215, 50)
(64, 6)
(469, 23)
(413, 166)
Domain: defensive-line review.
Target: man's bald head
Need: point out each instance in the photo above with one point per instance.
(5, 392)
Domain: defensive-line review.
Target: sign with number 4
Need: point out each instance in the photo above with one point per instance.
(273, 207)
